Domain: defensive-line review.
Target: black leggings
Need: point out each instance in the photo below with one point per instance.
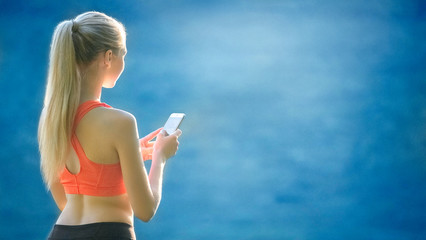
(102, 230)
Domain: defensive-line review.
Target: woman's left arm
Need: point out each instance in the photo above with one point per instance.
(58, 194)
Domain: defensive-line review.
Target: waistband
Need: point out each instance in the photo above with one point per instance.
(99, 230)
(95, 224)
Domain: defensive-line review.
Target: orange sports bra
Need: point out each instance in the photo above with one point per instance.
(93, 179)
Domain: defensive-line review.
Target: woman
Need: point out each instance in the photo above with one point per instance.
(91, 155)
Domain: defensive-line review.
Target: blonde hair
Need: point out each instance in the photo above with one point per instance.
(75, 44)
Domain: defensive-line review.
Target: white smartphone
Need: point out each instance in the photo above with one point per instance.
(173, 122)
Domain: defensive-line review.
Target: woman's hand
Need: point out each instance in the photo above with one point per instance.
(147, 146)
(166, 146)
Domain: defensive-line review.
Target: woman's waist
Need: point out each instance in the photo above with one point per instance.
(83, 209)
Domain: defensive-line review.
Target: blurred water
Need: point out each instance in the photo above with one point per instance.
(304, 120)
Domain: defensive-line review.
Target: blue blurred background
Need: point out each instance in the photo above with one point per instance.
(305, 119)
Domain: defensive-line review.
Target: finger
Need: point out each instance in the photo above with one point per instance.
(152, 135)
(162, 133)
(147, 157)
(147, 153)
(177, 133)
(147, 150)
(149, 144)
(142, 142)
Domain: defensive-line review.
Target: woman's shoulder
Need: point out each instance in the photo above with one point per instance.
(116, 119)
(117, 113)
(118, 125)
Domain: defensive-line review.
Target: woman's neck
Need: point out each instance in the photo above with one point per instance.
(88, 94)
(91, 86)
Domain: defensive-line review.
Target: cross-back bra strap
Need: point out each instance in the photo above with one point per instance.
(85, 108)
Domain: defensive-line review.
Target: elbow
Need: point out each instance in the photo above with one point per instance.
(61, 205)
(145, 211)
(145, 215)
(61, 208)
(146, 218)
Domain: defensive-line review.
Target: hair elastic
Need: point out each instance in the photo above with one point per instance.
(74, 27)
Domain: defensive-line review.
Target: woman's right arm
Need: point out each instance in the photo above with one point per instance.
(144, 191)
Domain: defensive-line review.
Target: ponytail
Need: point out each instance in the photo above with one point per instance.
(60, 103)
(75, 43)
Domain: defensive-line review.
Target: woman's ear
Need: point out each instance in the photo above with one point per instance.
(108, 58)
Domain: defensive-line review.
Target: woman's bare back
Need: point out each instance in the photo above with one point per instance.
(95, 133)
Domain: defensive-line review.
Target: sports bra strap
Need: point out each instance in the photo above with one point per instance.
(85, 108)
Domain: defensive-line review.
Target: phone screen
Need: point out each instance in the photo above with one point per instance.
(173, 122)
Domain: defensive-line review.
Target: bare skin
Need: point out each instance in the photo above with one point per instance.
(110, 136)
